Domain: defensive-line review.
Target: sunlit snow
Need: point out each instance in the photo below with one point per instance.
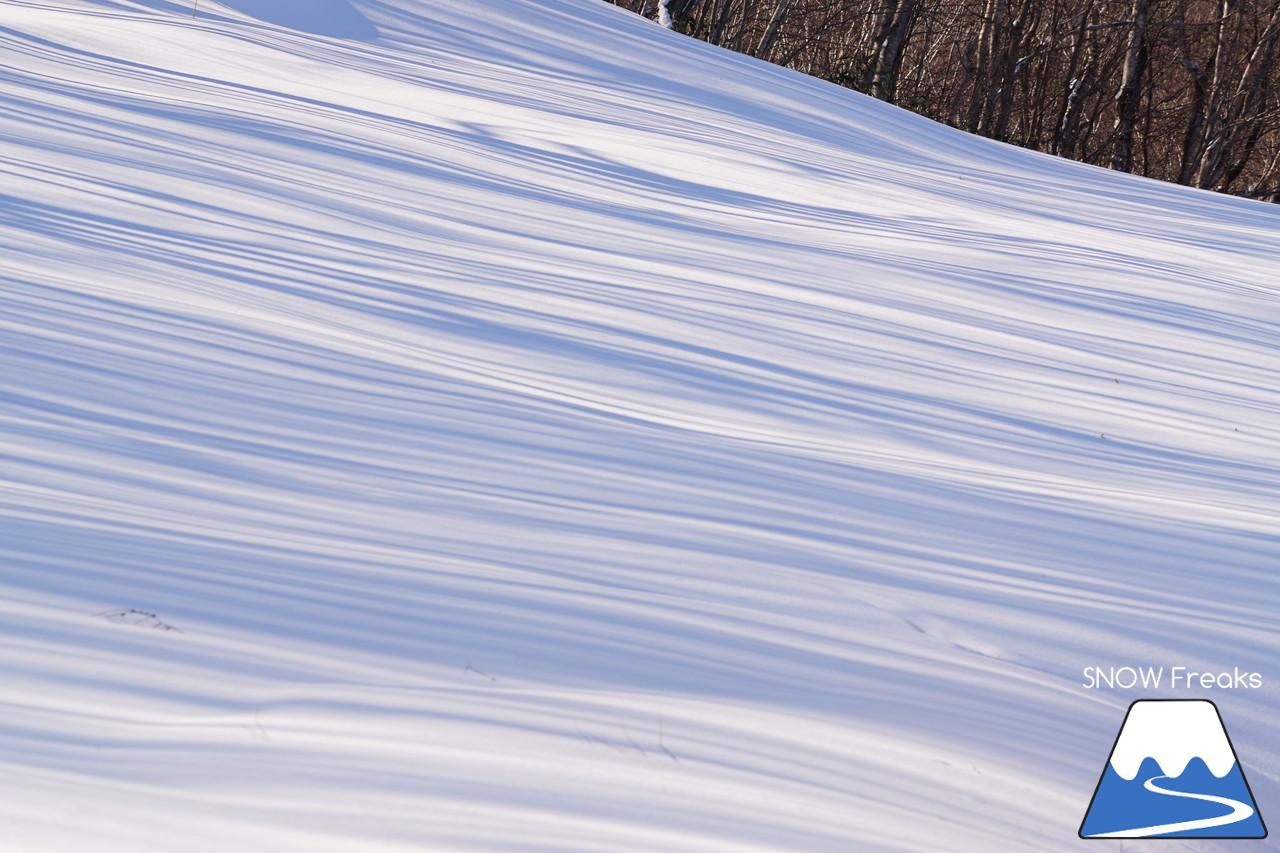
(508, 425)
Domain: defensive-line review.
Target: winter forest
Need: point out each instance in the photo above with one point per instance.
(1179, 90)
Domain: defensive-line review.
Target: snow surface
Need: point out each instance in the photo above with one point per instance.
(506, 425)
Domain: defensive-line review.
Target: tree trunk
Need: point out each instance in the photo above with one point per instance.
(1129, 98)
(1064, 134)
(771, 32)
(881, 75)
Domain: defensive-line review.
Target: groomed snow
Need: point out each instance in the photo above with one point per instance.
(542, 432)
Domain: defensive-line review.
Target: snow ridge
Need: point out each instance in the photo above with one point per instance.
(508, 425)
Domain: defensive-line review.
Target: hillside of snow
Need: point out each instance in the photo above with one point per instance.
(506, 425)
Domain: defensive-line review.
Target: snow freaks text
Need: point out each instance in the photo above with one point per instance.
(1173, 678)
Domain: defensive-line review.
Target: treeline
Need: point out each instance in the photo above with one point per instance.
(1180, 90)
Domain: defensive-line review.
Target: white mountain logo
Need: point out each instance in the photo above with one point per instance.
(1172, 773)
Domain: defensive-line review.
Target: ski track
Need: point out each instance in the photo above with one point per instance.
(544, 432)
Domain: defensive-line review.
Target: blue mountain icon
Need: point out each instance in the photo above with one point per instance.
(1172, 773)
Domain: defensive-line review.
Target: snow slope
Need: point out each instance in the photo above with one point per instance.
(542, 432)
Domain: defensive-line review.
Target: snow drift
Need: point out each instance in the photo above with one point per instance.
(542, 432)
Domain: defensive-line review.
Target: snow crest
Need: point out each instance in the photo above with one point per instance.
(526, 431)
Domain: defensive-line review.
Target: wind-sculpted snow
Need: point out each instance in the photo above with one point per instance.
(512, 426)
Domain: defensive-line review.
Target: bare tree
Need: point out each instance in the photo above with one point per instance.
(1184, 90)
